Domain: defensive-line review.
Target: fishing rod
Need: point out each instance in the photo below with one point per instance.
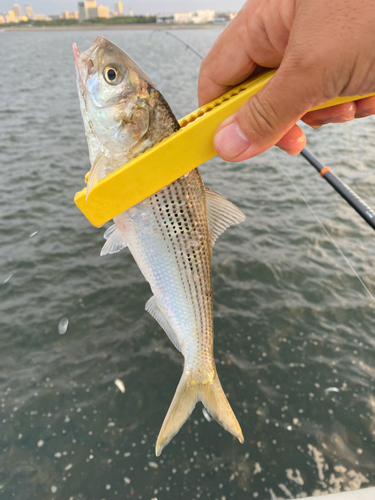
(367, 213)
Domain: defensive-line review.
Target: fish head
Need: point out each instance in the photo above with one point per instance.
(114, 95)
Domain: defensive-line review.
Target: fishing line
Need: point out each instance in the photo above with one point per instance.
(323, 227)
(312, 160)
(187, 45)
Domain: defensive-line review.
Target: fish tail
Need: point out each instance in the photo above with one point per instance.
(217, 405)
(188, 393)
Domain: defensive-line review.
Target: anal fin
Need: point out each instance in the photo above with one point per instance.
(153, 308)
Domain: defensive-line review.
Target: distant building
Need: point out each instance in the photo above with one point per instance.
(17, 11)
(65, 14)
(198, 17)
(118, 9)
(131, 12)
(203, 16)
(2, 19)
(11, 17)
(28, 11)
(103, 11)
(165, 18)
(224, 17)
(87, 10)
(183, 17)
(40, 17)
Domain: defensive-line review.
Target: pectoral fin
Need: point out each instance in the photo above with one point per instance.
(115, 241)
(221, 214)
(109, 231)
(97, 172)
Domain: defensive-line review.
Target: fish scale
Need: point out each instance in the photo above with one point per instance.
(170, 234)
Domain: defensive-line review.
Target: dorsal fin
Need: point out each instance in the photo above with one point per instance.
(221, 214)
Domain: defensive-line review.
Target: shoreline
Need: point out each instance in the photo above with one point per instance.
(115, 27)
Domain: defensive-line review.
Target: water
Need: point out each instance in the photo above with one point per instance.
(294, 329)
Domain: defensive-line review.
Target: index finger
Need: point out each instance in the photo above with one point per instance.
(244, 47)
(227, 64)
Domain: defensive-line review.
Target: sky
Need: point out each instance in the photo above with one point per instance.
(138, 6)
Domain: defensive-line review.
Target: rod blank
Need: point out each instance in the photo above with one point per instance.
(344, 191)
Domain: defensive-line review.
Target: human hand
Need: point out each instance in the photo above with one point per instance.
(323, 49)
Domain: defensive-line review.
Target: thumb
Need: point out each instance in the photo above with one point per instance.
(267, 116)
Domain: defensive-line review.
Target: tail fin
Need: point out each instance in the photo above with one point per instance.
(188, 393)
(216, 403)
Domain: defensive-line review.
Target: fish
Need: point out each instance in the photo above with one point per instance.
(170, 234)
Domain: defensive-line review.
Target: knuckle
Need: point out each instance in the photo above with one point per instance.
(319, 71)
(260, 117)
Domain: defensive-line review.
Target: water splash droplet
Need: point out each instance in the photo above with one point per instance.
(331, 389)
(63, 326)
(206, 415)
(120, 385)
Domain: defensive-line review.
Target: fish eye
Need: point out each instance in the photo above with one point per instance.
(112, 74)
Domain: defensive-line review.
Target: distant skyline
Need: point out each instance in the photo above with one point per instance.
(54, 7)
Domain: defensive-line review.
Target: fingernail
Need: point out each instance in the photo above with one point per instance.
(291, 143)
(230, 141)
(364, 113)
(332, 119)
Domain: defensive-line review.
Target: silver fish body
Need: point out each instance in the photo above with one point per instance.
(170, 235)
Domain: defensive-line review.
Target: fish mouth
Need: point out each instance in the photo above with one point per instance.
(85, 61)
(76, 53)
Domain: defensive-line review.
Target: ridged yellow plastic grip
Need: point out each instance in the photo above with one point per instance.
(176, 155)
